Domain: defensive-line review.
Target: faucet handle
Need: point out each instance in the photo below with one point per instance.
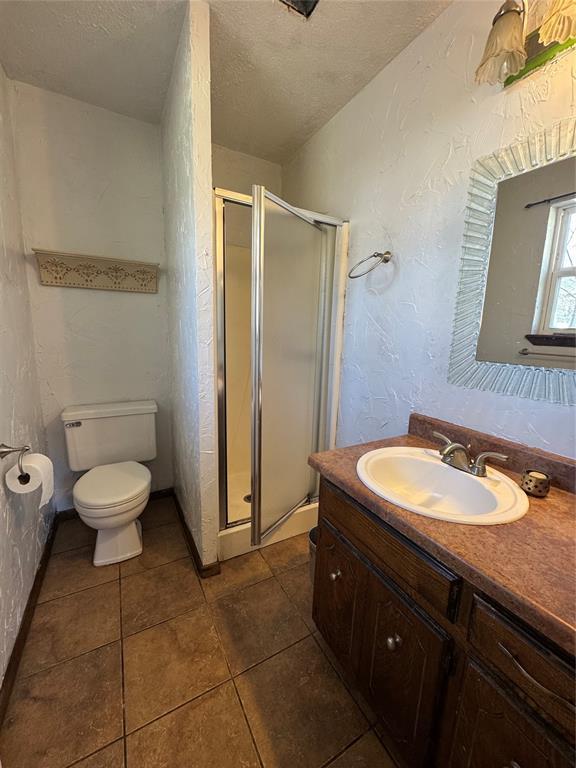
(479, 466)
(442, 437)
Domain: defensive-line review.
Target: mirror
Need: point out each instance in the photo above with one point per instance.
(529, 312)
(514, 326)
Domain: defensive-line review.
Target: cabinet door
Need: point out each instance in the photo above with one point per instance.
(402, 670)
(339, 582)
(492, 733)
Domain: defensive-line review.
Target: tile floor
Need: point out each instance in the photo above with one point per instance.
(144, 665)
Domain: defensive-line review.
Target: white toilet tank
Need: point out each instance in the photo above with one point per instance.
(107, 433)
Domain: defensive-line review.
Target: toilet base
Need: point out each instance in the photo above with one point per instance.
(113, 545)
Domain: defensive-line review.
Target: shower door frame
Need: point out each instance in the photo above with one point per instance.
(331, 394)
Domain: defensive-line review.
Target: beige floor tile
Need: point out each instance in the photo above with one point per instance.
(72, 571)
(68, 626)
(298, 586)
(169, 664)
(72, 534)
(367, 752)
(287, 554)
(64, 713)
(162, 593)
(298, 709)
(109, 757)
(159, 512)
(161, 545)
(236, 574)
(209, 732)
(255, 623)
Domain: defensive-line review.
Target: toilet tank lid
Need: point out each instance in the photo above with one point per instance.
(102, 410)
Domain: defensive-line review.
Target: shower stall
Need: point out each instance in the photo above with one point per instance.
(280, 295)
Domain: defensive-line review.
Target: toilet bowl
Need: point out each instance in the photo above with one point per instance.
(109, 498)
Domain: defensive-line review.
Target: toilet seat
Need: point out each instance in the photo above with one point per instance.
(112, 511)
(111, 488)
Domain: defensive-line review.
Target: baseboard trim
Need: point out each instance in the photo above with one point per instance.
(163, 493)
(17, 650)
(204, 571)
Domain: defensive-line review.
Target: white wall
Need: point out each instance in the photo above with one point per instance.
(188, 239)
(396, 162)
(91, 183)
(237, 172)
(23, 528)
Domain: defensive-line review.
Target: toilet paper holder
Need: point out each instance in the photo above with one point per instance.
(6, 450)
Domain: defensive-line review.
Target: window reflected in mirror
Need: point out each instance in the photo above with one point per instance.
(558, 314)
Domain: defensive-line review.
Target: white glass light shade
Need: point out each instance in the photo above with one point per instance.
(560, 23)
(504, 54)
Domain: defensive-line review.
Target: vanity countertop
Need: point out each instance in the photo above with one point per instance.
(528, 566)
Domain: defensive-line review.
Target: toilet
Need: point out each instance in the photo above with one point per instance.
(110, 440)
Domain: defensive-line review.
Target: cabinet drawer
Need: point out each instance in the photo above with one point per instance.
(491, 732)
(391, 551)
(547, 681)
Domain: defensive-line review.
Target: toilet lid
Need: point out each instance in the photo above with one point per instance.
(112, 484)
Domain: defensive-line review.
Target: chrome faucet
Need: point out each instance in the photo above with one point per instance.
(458, 456)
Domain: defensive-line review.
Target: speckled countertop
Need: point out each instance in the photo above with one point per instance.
(528, 566)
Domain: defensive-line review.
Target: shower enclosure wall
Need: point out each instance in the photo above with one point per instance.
(279, 309)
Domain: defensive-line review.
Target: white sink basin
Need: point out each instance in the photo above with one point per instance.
(417, 480)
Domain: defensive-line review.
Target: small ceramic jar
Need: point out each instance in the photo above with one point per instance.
(535, 483)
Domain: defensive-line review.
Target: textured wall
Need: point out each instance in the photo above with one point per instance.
(23, 528)
(91, 182)
(396, 162)
(188, 239)
(237, 172)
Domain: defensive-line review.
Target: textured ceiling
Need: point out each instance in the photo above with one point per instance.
(116, 54)
(277, 78)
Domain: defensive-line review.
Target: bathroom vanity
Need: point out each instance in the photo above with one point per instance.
(460, 637)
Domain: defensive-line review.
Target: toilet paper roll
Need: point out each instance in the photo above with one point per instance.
(41, 472)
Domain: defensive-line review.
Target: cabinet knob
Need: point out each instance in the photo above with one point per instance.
(335, 574)
(392, 643)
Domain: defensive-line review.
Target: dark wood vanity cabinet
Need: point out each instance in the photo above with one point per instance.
(491, 731)
(341, 577)
(403, 663)
(453, 681)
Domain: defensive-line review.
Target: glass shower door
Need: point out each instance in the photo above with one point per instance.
(287, 314)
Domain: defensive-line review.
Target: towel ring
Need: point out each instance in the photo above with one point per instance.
(382, 258)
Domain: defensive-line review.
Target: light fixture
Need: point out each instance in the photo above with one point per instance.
(560, 24)
(303, 7)
(504, 54)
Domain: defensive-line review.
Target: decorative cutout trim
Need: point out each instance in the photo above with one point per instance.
(554, 385)
(75, 270)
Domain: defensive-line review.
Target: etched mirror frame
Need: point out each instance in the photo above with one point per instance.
(555, 385)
